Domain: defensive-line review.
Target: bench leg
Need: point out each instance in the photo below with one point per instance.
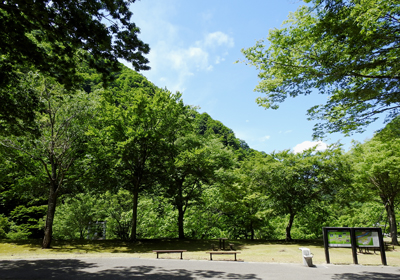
(235, 256)
(157, 255)
(181, 255)
(210, 257)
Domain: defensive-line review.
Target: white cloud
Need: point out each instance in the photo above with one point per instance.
(207, 16)
(265, 138)
(308, 144)
(285, 132)
(186, 60)
(219, 59)
(181, 60)
(218, 39)
(177, 54)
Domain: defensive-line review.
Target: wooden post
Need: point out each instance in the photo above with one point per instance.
(353, 245)
(326, 245)
(382, 246)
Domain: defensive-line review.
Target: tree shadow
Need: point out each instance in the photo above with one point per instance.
(365, 276)
(79, 269)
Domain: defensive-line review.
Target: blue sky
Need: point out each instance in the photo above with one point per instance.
(194, 46)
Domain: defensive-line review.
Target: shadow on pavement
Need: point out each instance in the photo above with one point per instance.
(366, 276)
(78, 269)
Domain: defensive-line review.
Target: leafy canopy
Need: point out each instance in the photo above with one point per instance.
(348, 50)
(47, 34)
(378, 174)
(55, 37)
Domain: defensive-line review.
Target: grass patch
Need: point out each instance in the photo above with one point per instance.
(251, 251)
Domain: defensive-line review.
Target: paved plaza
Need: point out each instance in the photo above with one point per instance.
(160, 269)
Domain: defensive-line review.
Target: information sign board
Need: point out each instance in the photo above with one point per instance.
(339, 238)
(346, 237)
(367, 238)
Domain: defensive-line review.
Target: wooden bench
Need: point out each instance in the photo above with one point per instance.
(222, 253)
(169, 251)
(366, 249)
(388, 245)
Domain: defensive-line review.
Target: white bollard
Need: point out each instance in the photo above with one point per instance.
(307, 257)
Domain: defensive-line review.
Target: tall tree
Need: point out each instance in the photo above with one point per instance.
(244, 203)
(347, 49)
(135, 129)
(377, 169)
(192, 163)
(48, 35)
(62, 126)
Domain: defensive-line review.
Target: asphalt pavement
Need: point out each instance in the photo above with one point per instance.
(162, 269)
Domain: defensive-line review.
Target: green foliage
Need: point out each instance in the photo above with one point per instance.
(390, 131)
(205, 125)
(368, 214)
(23, 222)
(18, 232)
(110, 145)
(28, 220)
(193, 162)
(72, 217)
(48, 158)
(54, 37)
(76, 215)
(137, 125)
(50, 32)
(245, 206)
(18, 103)
(4, 225)
(117, 210)
(377, 174)
(345, 49)
(293, 182)
(205, 220)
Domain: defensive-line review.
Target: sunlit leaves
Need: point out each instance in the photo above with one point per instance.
(345, 49)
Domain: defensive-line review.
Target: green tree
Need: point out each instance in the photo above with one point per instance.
(347, 49)
(118, 210)
(4, 226)
(377, 171)
(293, 182)
(49, 157)
(205, 125)
(75, 214)
(244, 204)
(49, 35)
(135, 128)
(205, 220)
(390, 131)
(20, 199)
(192, 163)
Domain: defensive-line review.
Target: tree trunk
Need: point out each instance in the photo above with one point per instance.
(134, 213)
(181, 211)
(392, 222)
(181, 214)
(289, 227)
(251, 231)
(51, 208)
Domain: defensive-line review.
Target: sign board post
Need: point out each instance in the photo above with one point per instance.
(353, 245)
(345, 237)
